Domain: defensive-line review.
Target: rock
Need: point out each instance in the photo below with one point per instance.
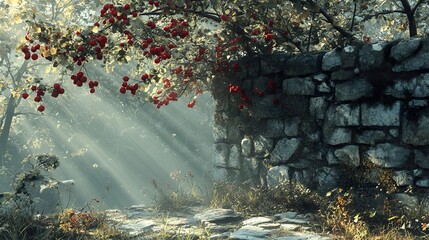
(221, 154)
(264, 107)
(348, 155)
(296, 106)
(387, 155)
(408, 201)
(218, 216)
(416, 103)
(219, 173)
(381, 114)
(331, 60)
(246, 147)
(403, 178)
(284, 150)
(274, 63)
(422, 158)
(330, 158)
(327, 178)
(304, 64)
(263, 144)
(274, 128)
(137, 227)
(347, 115)
(423, 183)
(219, 133)
(320, 77)
(318, 107)
(337, 136)
(353, 90)
(417, 62)
(341, 75)
(291, 126)
(250, 232)
(298, 86)
(234, 157)
(261, 83)
(371, 56)
(278, 175)
(405, 49)
(417, 87)
(415, 130)
(348, 57)
(291, 217)
(370, 136)
(324, 88)
(257, 220)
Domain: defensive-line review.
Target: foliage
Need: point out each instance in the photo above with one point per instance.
(172, 199)
(177, 47)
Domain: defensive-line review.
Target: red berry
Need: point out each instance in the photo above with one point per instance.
(127, 6)
(111, 20)
(80, 48)
(92, 90)
(34, 56)
(224, 17)
(37, 98)
(24, 95)
(125, 78)
(241, 106)
(57, 86)
(41, 108)
(92, 42)
(135, 14)
(33, 88)
(122, 90)
(27, 55)
(80, 74)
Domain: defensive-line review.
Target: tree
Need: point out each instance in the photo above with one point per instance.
(179, 47)
(15, 73)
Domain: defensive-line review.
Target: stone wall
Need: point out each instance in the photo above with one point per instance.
(328, 119)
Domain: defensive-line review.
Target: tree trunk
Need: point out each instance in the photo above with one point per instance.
(4, 137)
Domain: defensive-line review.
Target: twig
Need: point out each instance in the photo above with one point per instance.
(366, 18)
(331, 20)
(353, 18)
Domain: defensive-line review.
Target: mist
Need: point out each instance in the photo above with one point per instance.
(116, 147)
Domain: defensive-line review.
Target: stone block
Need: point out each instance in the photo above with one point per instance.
(284, 150)
(324, 87)
(387, 155)
(318, 106)
(298, 86)
(405, 48)
(370, 137)
(296, 106)
(304, 64)
(337, 136)
(234, 157)
(274, 128)
(327, 178)
(262, 144)
(291, 126)
(348, 57)
(246, 147)
(381, 114)
(347, 115)
(278, 175)
(422, 158)
(274, 63)
(418, 61)
(219, 133)
(415, 130)
(348, 155)
(321, 77)
(341, 75)
(264, 107)
(221, 154)
(353, 90)
(331, 60)
(262, 84)
(219, 174)
(371, 56)
(423, 183)
(417, 87)
(403, 178)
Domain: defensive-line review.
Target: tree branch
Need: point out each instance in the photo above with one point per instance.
(331, 20)
(413, 11)
(367, 17)
(410, 15)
